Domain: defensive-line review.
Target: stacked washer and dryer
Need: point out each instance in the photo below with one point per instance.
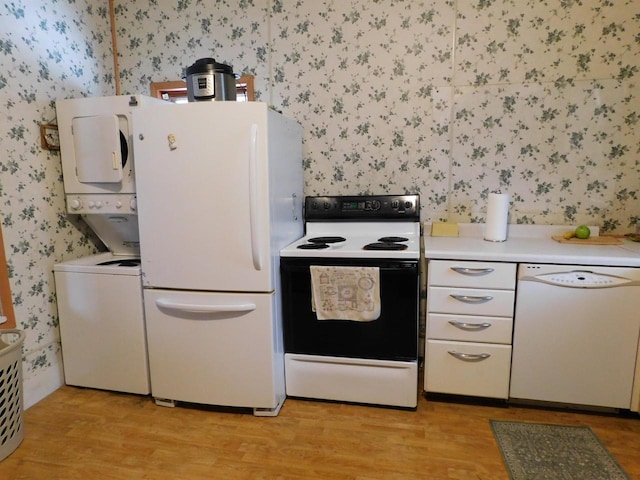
(100, 304)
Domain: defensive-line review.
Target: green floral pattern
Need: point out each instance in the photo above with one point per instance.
(451, 100)
(48, 50)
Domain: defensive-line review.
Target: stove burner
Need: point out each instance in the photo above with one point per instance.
(313, 246)
(326, 239)
(385, 246)
(393, 239)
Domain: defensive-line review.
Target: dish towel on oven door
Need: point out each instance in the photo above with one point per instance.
(345, 293)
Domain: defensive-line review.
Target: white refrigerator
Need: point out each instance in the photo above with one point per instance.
(219, 194)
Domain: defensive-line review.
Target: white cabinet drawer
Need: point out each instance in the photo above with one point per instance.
(464, 368)
(472, 274)
(468, 328)
(469, 301)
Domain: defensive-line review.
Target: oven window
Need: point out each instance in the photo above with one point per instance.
(393, 336)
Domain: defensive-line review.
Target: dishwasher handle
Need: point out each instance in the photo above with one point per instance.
(579, 278)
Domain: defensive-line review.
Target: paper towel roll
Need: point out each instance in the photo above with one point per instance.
(495, 228)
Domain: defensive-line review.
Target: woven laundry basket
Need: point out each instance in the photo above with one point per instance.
(11, 402)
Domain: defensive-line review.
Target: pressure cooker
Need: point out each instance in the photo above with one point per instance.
(208, 80)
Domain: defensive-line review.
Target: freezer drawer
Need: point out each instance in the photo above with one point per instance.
(215, 348)
(468, 301)
(469, 328)
(465, 368)
(472, 274)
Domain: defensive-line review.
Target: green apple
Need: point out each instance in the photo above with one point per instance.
(583, 232)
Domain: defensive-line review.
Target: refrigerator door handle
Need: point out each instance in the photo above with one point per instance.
(294, 207)
(253, 198)
(195, 308)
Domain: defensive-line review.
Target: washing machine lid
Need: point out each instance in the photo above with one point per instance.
(119, 232)
(102, 263)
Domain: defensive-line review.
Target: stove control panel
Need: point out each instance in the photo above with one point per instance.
(363, 207)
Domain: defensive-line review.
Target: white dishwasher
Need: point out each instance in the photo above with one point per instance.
(576, 332)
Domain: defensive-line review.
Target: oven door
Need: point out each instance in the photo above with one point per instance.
(393, 336)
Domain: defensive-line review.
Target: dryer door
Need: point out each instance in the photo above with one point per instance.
(98, 149)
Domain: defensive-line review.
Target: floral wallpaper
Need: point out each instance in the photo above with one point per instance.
(451, 100)
(158, 39)
(448, 99)
(48, 50)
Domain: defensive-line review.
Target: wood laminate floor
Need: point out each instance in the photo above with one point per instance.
(89, 434)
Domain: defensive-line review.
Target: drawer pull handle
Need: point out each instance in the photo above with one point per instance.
(471, 298)
(470, 326)
(469, 357)
(472, 272)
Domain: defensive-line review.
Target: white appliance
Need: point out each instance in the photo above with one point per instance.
(576, 333)
(345, 359)
(219, 188)
(96, 148)
(102, 323)
(100, 305)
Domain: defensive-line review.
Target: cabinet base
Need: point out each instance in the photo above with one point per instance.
(522, 403)
(519, 402)
(466, 399)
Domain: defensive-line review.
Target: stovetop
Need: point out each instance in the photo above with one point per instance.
(380, 226)
(356, 236)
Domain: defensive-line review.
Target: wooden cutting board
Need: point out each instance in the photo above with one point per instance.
(601, 240)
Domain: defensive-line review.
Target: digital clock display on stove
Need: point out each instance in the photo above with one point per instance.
(352, 206)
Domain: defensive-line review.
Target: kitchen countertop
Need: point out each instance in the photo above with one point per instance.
(528, 244)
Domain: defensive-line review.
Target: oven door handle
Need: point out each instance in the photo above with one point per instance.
(253, 199)
(195, 308)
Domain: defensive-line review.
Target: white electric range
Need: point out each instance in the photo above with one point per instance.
(350, 292)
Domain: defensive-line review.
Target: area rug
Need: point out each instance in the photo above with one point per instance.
(538, 451)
